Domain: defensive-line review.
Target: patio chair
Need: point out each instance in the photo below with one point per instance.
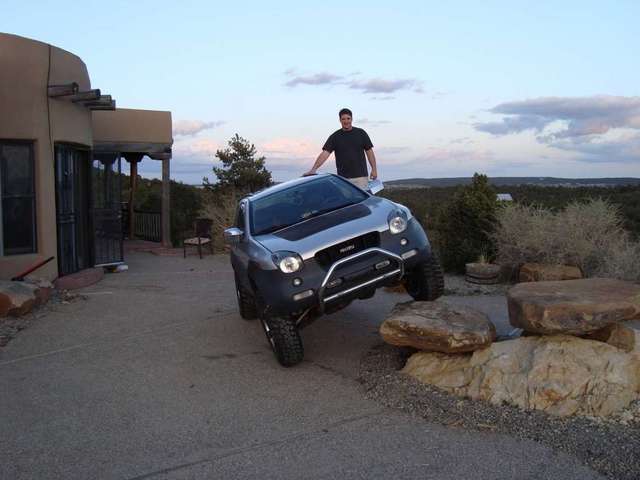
(199, 236)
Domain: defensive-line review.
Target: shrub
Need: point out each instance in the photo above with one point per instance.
(465, 225)
(220, 207)
(588, 235)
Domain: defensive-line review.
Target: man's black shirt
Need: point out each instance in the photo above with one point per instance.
(349, 146)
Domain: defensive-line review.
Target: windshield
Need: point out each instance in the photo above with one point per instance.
(301, 202)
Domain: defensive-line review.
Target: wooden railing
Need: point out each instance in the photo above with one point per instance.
(148, 225)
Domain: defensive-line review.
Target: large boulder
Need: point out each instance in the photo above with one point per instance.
(537, 272)
(562, 375)
(437, 326)
(575, 307)
(16, 298)
(625, 336)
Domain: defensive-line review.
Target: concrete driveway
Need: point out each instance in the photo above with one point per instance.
(155, 375)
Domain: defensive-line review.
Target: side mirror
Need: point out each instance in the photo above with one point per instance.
(232, 235)
(375, 186)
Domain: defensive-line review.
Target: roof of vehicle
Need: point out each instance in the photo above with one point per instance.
(288, 184)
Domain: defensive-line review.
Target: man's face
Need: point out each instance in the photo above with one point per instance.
(345, 121)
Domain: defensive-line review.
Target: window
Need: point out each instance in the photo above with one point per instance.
(290, 205)
(17, 198)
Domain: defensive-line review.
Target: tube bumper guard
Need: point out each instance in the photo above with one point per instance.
(396, 271)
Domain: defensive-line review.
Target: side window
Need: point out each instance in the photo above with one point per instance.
(17, 198)
(240, 217)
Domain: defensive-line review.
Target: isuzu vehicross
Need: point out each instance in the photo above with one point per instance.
(312, 245)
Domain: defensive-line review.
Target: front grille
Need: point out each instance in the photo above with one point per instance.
(330, 255)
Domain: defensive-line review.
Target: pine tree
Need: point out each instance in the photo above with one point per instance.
(240, 170)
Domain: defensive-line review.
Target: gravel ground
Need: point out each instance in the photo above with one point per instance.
(11, 326)
(611, 447)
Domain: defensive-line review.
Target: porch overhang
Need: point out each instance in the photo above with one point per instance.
(133, 131)
(135, 134)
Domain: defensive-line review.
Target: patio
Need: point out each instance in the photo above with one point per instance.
(151, 373)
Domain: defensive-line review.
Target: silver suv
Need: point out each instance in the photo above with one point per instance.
(314, 244)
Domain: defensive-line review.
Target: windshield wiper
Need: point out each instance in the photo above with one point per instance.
(274, 228)
(327, 210)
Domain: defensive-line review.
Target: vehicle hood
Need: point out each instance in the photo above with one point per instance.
(308, 237)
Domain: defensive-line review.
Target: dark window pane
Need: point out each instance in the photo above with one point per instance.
(18, 225)
(17, 171)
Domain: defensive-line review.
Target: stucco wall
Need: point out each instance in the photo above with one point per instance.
(24, 115)
(132, 126)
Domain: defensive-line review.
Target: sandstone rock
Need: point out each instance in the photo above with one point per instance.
(575, 307)
(437, 326)
(562, 375)
(16, 298)
(44, 289)
(536, 272)
(625, 336)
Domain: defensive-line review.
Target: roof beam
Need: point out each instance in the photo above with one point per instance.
(62, 90)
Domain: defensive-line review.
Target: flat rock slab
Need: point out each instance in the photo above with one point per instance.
(16, 298)
(538, 272)
(575, 307)
(561, 375)
(437, 326)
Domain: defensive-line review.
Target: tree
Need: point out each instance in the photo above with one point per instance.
(465, 225)
(240, 170)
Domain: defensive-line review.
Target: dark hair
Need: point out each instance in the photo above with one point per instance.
(345, 111)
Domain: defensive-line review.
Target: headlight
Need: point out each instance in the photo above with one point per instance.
(287, 262)
(397, 224)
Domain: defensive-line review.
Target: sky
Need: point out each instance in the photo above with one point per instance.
(444, 89)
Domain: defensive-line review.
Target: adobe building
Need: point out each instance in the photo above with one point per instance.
(62, 142)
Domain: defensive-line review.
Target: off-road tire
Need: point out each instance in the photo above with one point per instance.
(425, 282)
(246, 301)
(284, 338)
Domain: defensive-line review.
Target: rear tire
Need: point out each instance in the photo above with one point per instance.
(246, 301)
(425, 282)
(284, 338)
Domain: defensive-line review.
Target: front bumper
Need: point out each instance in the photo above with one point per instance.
(352, 277)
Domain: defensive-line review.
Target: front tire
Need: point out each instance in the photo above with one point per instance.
(284, 338)
(246, 301)
(425, 282)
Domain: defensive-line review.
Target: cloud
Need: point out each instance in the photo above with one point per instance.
(315, 79)
(292, 148)
(384, 97)
(381, 85)
(192, 127)
(376, 85)
(582, 115)
(200, 150)
(594, 127)
(516, 124)
(373, 123)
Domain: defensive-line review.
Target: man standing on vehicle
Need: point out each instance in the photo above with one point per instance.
(350, 145)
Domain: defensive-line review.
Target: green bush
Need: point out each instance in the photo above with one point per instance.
(466, 223)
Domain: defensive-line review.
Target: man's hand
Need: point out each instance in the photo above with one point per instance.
(374, 174)
(309, 173)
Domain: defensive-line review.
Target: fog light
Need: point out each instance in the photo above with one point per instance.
(302, 295)
(403, 241)
(297, 282)
(334, 283)
(381, 265)
(409, 254)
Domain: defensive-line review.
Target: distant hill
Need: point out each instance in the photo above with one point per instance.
(506, 181)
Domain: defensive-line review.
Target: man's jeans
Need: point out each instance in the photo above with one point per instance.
(362, 182)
